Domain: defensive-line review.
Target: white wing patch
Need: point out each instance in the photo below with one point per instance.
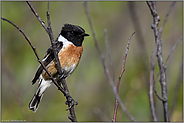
(43, 85)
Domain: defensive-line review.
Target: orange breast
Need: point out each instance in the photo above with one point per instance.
(67, 57)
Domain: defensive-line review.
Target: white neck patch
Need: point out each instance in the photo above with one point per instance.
(64, 40)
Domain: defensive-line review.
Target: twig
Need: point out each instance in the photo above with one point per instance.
(70, 102)
(165, 20)
(48, 29)
(50, 33)
(34, 49)
(120, 76)
(162, 67)
(106, 71)
(172, 50)
(72, 115)
(37, 16)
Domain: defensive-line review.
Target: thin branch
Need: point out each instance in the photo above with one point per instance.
(70, 102)
(34, 49)
(69, 99)
(122, 71)
(106, 71)
(37, 16)
(162, 67)
(48, 29)
(72, 115)
(165, 20)
(172, 50)
(50, 33)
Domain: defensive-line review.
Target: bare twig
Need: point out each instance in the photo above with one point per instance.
(70, 102)
(34, 49)
(72, 115)
(162, 67)
(37, 16)
(172, 50)
(120, 76)
(106, 71)
(50, 33)
(165, 20)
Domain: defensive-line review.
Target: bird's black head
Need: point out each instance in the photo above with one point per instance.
(74, 34)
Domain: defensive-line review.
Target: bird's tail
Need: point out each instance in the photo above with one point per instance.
(34, 103)
(43, 85)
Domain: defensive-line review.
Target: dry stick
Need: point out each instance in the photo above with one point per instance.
(172, 50)
(57, 63)
(34, 49)
(58, 66)
(120, 76)
(106, 71)
(162, 67)
(72, 115)
(161, 29)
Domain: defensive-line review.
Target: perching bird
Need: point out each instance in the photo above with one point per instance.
(69, 46)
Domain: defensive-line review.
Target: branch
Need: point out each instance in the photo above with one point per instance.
(162, 67)
(48, 29)
(69, 99)
(50, 33)
(34, 50)
(165, 20)
(37, 16)
(172, 50)
(106, 71)
(122, 71)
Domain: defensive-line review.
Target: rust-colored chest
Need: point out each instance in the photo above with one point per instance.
(69, 58)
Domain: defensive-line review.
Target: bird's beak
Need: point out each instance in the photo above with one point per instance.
(84, 34)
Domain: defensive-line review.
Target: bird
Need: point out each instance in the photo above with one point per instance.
(69, 47)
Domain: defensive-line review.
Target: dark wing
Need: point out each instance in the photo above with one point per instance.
(49, 56)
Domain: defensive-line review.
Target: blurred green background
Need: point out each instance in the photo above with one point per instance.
(88, 85)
